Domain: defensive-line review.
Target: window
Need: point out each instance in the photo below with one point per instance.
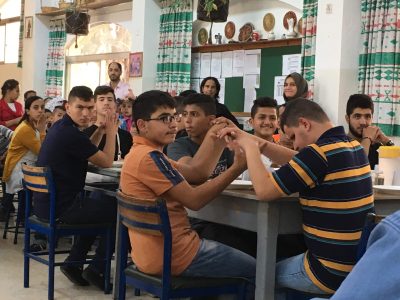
(106, 42)
(10, 12)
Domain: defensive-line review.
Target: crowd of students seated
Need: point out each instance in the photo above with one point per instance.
(187, 149)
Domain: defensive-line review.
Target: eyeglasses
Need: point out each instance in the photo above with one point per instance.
(166, 119)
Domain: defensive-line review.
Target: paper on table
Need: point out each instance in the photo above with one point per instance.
(227, 63)
(291, 63)
(222, 90)
(252, 61)
(205, 65)
(195, 71)
(278, 89)
(216, 64)
(238, 63)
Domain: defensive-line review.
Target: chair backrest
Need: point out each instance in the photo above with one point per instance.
(38, 179)
(150, 217)
(370, 223)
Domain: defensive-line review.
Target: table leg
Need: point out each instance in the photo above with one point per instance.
(267, 228)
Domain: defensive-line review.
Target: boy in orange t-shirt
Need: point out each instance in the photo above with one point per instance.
(148, 174)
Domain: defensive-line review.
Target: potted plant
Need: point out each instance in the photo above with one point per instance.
(213, 10)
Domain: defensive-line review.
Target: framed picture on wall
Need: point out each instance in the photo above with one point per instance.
(28, 27)
(135, 64)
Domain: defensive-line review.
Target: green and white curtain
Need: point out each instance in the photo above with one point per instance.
(379, 61)
(55, 59)
(174, 55)
(310, 12)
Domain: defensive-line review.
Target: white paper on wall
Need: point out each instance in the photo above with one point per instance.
(252, 61)
(195, 71)
(238, 63)
(216, 64)
(291, 63)
(227, 64)
(279, 81)
(205, 65)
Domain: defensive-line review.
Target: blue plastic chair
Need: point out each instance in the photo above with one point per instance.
(151, 217)
(39, 179)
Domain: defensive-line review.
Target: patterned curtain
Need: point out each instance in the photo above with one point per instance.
(174, 55)
(55, 59)
(310, 11)
(21, 34)
(379, 61)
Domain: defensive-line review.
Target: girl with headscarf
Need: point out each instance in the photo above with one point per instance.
(295, 86)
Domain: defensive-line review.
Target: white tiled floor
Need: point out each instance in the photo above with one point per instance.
(11, 278)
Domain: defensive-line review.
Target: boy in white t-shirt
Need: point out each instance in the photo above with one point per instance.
(264, 121)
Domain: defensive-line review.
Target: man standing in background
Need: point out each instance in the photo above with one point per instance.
(121, 89)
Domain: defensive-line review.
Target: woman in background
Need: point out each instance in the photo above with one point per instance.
(295, 86)
(10, 109)
(24, 148)
(211, 87)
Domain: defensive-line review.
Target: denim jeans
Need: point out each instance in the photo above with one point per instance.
(290, 273)
(218, 260)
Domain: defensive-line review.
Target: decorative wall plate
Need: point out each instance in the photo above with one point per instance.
(300, 26)
(230, 30)
(269, 22)
(289, 15)
(202, 36)
(245, 32)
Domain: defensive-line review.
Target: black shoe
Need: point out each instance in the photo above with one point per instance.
(74, 274)
(37, 247)
(94, 278)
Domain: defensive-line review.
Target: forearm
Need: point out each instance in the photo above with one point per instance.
(201, 195)
(109, 148)
(96, 137)
(366, 144)
(276, 153)
(205, 159)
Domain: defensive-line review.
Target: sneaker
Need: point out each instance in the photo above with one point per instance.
(74, 274)
(37, 247)
(94, 277)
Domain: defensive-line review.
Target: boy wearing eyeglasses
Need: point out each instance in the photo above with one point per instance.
(148, 174)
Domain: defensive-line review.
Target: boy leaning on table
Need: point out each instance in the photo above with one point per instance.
(332, 175)
(148, 174)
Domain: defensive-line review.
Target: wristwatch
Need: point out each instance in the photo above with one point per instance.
(389, 143)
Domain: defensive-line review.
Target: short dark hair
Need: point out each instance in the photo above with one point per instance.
(205, 102)
(263, 102)
(8, 85)
(28, 92)
(62, 107)
(179, 103)
(302, 108)
(82, 92)
(217, 85)
(359, 101)
(148, 102)
(103, 90)
(117, 63)
(186, 93)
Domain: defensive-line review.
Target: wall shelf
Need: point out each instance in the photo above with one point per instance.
(247, 45)
(93, 5)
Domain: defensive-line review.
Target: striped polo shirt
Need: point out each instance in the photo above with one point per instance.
(333, 179)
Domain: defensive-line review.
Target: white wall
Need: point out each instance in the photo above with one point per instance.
(336, 65)
(241, 12)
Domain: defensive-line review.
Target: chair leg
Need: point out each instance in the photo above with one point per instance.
(20, 214)
(107, 287)
(137, 292)
(51, 266)
(7, 223)
(27, 243)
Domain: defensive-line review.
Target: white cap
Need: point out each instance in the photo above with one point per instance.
(53, 103)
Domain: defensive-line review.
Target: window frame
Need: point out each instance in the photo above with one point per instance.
(4, 22)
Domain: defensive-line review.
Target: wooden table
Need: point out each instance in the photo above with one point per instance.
(240, 208)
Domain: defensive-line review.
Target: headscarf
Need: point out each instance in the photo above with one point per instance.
(301, 84)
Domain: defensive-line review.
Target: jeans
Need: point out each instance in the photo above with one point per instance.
(91, 211)
(290, 273)
(218, 260)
